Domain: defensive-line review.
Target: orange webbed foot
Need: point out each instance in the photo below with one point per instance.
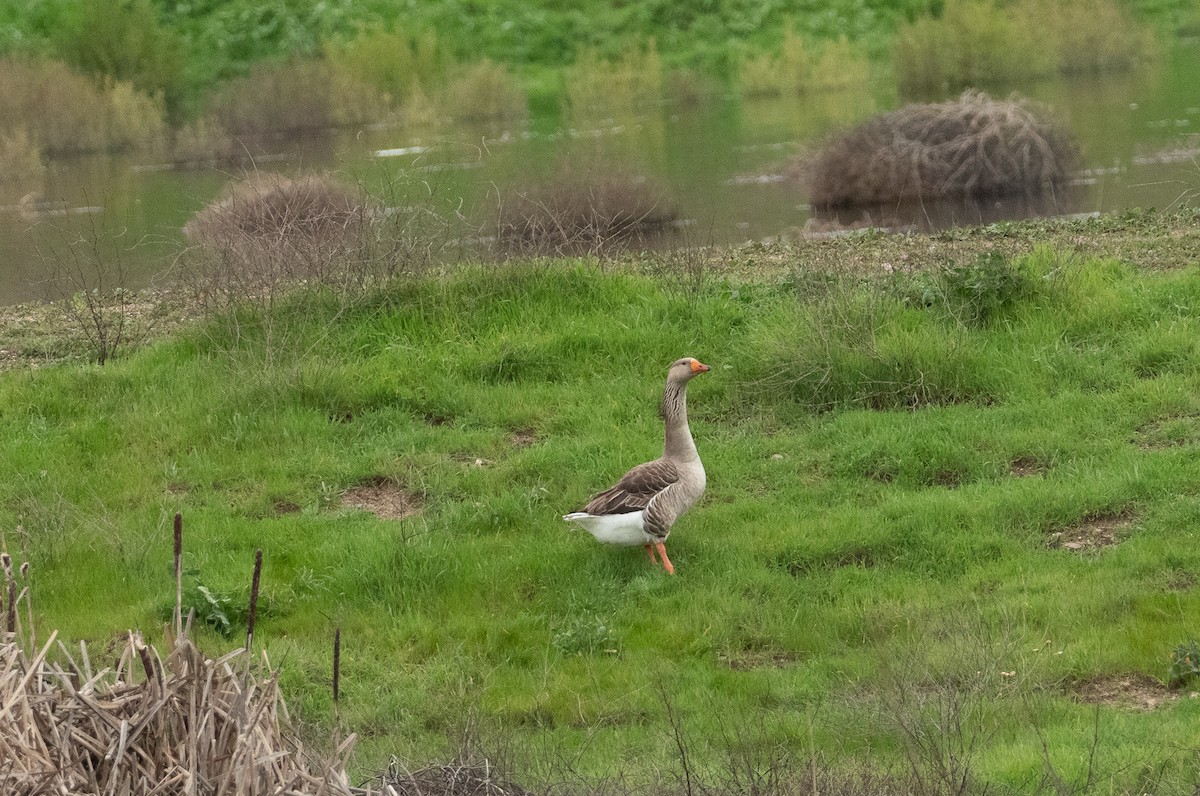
(666, 562)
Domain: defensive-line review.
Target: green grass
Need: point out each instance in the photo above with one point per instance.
(864, 557)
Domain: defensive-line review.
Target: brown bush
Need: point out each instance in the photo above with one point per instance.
(972, 146)
(572, 212)
(272, 231)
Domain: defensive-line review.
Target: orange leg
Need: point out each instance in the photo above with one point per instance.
(650, 550)
(666, 562)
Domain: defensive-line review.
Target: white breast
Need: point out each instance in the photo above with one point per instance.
(620, 529)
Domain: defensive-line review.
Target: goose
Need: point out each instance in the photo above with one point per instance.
(641, 508)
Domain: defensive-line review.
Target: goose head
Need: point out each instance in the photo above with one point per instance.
(686, 369)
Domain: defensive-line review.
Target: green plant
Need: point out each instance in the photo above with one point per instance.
(972, 293)
(1185, 664)
(125, 41)
(585, 635)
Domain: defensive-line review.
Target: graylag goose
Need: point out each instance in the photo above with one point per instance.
(645, 503)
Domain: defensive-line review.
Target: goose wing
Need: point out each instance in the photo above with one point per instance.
(635, 490)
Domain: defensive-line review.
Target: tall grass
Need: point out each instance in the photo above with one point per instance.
(84, 116)
(800, 68)
(290, 97)
(379, 74)
(484, 91)
(597, 87)
(981, 43)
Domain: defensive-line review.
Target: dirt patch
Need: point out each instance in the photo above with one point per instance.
(523, 437)
(1093, 532)
(384, 498)
(748, 660)
(1130, 691)
(1025, 467)
(471, 459)
(281, 507)
(435, 419)
(1180, 580)
(1170, 431)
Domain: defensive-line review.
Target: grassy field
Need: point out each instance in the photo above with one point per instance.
(950, 534)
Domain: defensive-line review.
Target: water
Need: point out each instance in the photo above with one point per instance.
(725, 164)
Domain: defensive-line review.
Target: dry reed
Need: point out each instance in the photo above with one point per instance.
(574, 212)
(187, 724)
(972, 146)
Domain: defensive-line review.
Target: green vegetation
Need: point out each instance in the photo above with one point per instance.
(947, 506)
(207, 71)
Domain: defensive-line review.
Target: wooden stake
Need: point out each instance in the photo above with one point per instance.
(178, 575)
(337, 663)
(253, 599)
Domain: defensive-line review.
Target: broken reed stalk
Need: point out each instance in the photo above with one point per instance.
(28, 592)
(253, 611)
(10, 621)
(337, 664)
(178, 575)
(193, 721)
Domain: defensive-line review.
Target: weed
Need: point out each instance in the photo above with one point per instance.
(585, 635)
(974, 293)
(1185, 664)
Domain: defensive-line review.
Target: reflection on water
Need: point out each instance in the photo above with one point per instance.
(929, 216)
(730, 168)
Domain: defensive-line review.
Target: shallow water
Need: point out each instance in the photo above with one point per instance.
(723, 162)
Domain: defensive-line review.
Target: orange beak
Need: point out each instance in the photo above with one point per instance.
(699, 367)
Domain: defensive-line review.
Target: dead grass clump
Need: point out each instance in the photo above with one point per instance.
(460, 778)
(573, 212)
(973, 146)
(384, 498)
(187, 724)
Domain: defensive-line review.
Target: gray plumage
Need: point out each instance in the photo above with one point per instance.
(643, 506)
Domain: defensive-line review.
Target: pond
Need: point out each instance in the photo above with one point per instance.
(724, 163)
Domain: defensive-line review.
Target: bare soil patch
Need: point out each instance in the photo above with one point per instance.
(1169, 431)
(1025, 467)
(281, 507)
(523, 437)
(747, 660)
(1093, 532)
(1130, 691)
(384, 498)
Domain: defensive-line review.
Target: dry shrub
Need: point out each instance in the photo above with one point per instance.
(272, 231)
(484, 91)
(291, 97)
(972, 146)
(83, 117)
(589, 212)
(151, 726)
